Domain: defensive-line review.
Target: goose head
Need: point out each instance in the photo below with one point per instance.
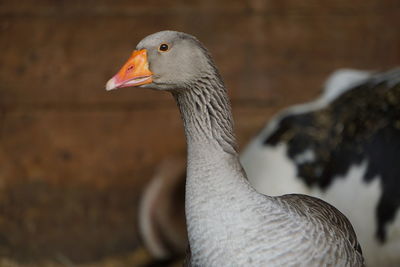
(166, 60)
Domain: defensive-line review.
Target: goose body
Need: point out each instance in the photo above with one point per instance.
(229, 223)
(342, 148)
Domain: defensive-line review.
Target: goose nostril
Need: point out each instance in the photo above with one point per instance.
(130, 68)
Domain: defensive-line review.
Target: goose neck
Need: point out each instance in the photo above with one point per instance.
(207, 116)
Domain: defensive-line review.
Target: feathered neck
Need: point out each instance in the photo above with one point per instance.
(206, 113)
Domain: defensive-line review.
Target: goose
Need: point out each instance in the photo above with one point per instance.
(229, 223)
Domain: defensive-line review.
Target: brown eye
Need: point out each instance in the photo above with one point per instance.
(163, 48)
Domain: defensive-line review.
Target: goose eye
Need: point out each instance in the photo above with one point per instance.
(163, 48)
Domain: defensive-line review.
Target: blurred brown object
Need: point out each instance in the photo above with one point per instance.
(162, 211)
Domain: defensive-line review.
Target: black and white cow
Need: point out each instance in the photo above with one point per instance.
(344, 148)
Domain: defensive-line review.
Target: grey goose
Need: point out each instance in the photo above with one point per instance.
(229, 222)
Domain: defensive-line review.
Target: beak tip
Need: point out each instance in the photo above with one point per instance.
(111, 85)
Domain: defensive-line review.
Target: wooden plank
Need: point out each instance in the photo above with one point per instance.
(94, 147)
(70, 181)
(66, 61)
(126, 7)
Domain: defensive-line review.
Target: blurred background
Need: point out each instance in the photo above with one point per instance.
(75, 158)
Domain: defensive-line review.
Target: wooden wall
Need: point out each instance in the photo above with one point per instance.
(74, 157)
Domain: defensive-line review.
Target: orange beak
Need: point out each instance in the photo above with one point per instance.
(135, 72)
